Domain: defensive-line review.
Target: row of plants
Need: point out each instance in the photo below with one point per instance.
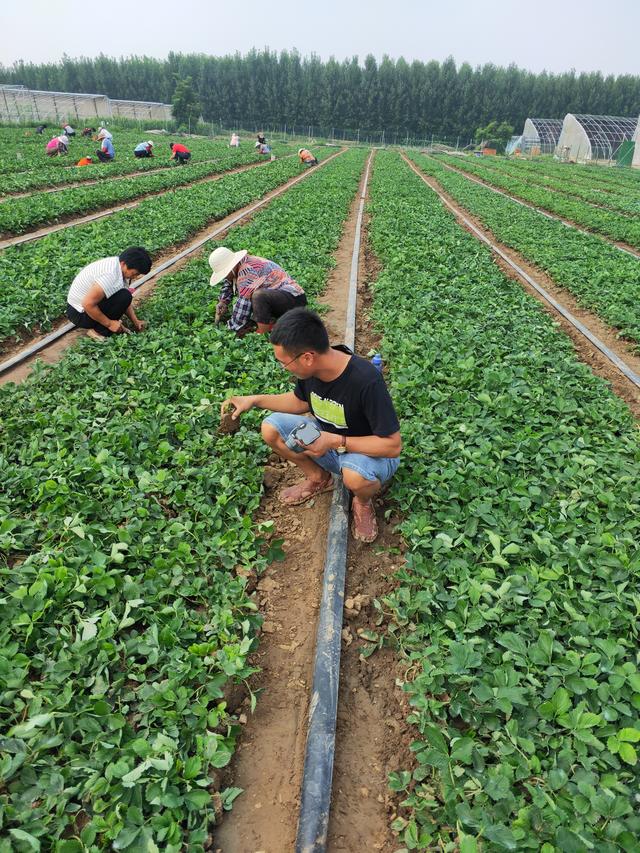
(35, 277)
(594, 175)
(621, 199)
(611, 224)
(21, 214)
(62, 172)
(601, 277)
(19, 153)
(126, 539)
(516, 610)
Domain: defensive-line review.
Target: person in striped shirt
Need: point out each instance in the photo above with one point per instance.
(264, 290)
(99, 296)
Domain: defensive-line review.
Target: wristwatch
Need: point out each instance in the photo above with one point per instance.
(343, 444)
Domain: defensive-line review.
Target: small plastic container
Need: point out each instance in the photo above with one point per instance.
(376, 361)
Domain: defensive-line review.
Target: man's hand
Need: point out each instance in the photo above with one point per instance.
(240, 405)
(325, 442)
(221, 312)
(139, 325)
(116, 327)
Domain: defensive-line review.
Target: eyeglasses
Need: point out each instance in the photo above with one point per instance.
(284, 364)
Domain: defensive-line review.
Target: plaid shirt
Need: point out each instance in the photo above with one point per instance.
(254, 273)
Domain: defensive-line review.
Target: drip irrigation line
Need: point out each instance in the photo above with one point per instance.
(539, 210)
(621, 365)
(43, 343)
(315, 803)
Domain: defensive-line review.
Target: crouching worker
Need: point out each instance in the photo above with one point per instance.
(265, 291)
(307, 157)
(358, 434)
(99, 296)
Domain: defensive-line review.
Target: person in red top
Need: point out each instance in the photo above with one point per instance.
(179, 152)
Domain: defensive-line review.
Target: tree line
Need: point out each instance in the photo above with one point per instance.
(417, 98)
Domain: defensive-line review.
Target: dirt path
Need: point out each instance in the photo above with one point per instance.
(71, 221)
(372, 737)
(586, 351)
(548, 213)
(265, 817)
(53, 353)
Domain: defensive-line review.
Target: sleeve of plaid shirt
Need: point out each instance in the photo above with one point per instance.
(226, 292)
(241, 313)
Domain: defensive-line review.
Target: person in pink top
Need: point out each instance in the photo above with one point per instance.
(57, 145)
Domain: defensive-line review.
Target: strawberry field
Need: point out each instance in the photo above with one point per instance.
(125, 518)
(128, 531)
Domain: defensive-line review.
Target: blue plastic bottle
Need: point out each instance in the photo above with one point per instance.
(376, 361)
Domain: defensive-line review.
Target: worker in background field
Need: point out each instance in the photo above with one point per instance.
(307, 157)
(263, 149)
(40, 128)
(87, 131)
(261, 139)
(99, 296)
(85, 161)
(66, 128)
(57, 146)
(353, 432)
(103, 133)
(143, 149)
(179, 152)
(106, 153)
(265, 291)
(235, 141)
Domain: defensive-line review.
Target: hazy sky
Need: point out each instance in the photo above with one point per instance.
(540, 34)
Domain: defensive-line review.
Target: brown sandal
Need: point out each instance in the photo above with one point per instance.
(364, 526)
(304, 490)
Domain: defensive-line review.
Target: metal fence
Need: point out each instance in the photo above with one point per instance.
(310, 132)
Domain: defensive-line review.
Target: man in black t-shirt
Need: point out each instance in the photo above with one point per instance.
(349, 402)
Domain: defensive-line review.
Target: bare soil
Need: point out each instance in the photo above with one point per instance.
(586, 351)
(10, 347)
(370, 733)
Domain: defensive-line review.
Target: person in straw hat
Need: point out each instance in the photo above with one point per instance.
(264, 290)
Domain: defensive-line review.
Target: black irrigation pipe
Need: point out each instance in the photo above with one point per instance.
(622, 366)
(43, 343)
(545, 213)
(313, 823)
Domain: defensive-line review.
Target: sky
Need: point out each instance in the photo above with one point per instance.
(588, 35)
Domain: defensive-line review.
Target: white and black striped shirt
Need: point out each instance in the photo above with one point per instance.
(106, 272)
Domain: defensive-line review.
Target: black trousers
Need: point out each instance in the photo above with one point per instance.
(104, 158)
(267, 305)
(142, 154)
(182, 158)
(114, 308)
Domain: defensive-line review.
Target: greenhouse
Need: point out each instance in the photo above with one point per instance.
(20, 104)
(586, 137)
(540, 135)
(636, 152)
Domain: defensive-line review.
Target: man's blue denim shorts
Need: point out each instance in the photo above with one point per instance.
(370, 467)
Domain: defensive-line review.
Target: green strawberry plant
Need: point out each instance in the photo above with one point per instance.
(516, 609)
(601, 277)
(125, 516)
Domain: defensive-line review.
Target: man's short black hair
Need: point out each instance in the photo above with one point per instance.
(171, 144)
(300, 330)
(137, 258)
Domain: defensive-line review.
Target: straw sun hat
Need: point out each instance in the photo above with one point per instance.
(222, 261)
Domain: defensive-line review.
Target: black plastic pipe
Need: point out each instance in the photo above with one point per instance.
(315, 803)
